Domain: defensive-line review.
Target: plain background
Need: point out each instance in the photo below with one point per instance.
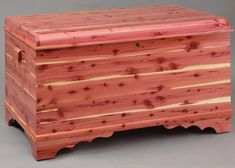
(153, 147)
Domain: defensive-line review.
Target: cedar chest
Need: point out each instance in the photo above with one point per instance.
(73, 77)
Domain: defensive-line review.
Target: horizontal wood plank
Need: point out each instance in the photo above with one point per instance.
(103, 121)
(145, 100)
(128, 85)
(152, 57)
(137, 47)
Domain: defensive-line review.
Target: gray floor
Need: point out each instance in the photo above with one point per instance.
(152, 147)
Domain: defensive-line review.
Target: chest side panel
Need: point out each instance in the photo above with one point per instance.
(20, 81)
(121, 83)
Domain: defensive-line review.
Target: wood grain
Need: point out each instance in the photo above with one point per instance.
(126, 58)
(76, 29)
(73, 77)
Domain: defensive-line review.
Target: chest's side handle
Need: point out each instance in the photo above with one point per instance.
(19, 54)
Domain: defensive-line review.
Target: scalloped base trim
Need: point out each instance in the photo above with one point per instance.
(47, 146)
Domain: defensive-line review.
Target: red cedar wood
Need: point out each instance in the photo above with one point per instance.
(88, 74)
(88, 28)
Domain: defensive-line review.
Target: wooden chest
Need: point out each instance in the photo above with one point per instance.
(73, 77)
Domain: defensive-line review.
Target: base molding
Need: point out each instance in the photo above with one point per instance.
(47, 146)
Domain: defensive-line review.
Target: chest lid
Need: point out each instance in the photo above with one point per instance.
(59, 30)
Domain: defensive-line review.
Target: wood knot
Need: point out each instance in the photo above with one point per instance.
(159, 68)
(72, 92)
(53, 101)
(115, 51)
(151, 115)
(196, 75)
(42, 67)
(159, 88)
(160, 60)
(70, 68)
(72, 123)
(136, 76)
(86, 88)
(213, 53)
(184, 110)
(39, 100)
(186, 102)
(160, 98)
(104, 121)
(60, 114)
(78, 77)
(173, 66)
(157, 33)
(49, 87)
(137, 44)
(54, 130)
(131, 71)
(189, 37)
(121, 84)
(192, 46)
(123, 115)
(148, 103)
